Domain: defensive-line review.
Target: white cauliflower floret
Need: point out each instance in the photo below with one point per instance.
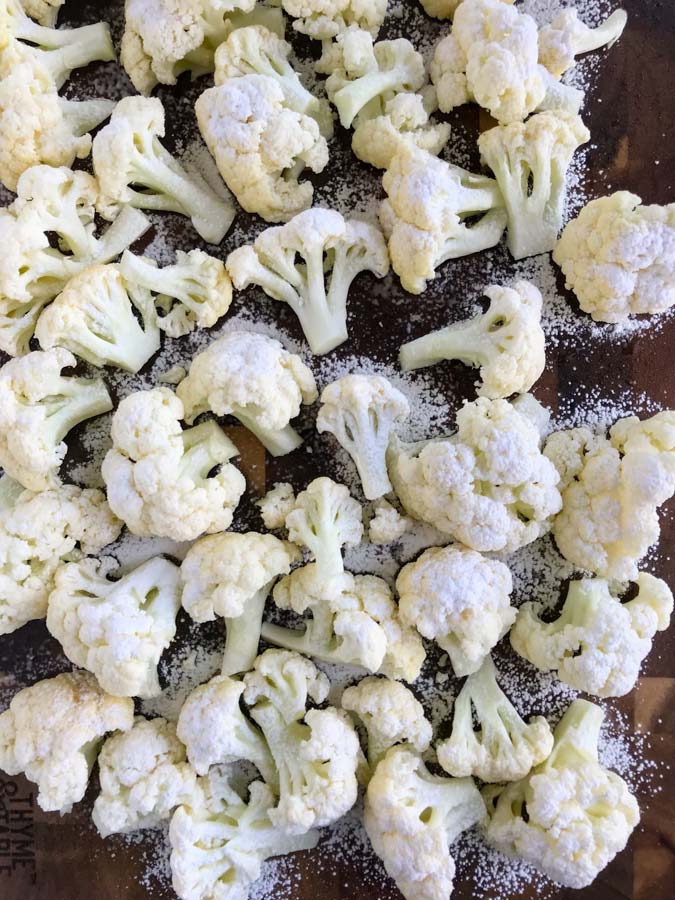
(94, 317)
(361, 412)
(530, 162)
(488, 485)
(566, 37)
(276, 505)
(52, 731)
(503, 747)
(597, 644)
(43, 11)
(326, 19)
(443, 9)
(619, 257)
(38, 407)
(316, 753)
(611, 491)
(253, 378)
(37, 531)
(231, 575)
(219, 842)
(134, 168)
(214, 729)
(261, 145)
(354, 621)
(412, 817)
(405, 120)
(292, 263)
(325, 518)
(158, 476)
(116, 629)
(195, 292)
(570, 816)
(459, 599)
(429, 202)
(32, 272)
(391, 715)
(387, 524)
(507, 342)
(144, 776)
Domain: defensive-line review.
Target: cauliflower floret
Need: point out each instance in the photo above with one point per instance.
(503, 747)
(52, 731)
(326, 19)
(214, 729)
(325, 518)
(158, 476)
(391, 715)
(37, 531)
(461, 600)
(488, 485)
(219, 842)
(597, 644)
(530, 162)
(94, 318)
(231, 575)
(198, 283)
(291, 264)
(507, 342)
(116, 629)
(261, 145)
(251, 377)
(44, 11)
(412, 817)
(570, 816)
(405, 120)
(361, 412)
(619, 257)
(38, 407)
(566, 37)
(276, 505)
(611, 492)
(316, 753)
(424, 216)
(144, 776)
(442, 9)
(354, 621)
(134, 168)
(387, 524)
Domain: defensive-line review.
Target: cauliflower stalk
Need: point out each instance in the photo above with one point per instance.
(567, 37)
(251, 377)
(231, 575)
(326, 19)
(134, 168)
(412, 817)
(570, 816)
(361, 411)
(507, 342)
(291, 263)
(38, 407)
(503, 747)
(597, 644)
(52, 732)
(116, 629)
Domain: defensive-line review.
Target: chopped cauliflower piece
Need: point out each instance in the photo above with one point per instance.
(52, 731)
(116, 629)
(38, 407)
(461, 600)
(144, 776)
(488, 485)
(253, 378)
(276, 505)
(387, 524)
(507, 342)
(326, 19)
(43, 11)
(570, 816)
(231, 575)
(619, 257)
(443, 9)
(597, 644)
(424, 218)
(503, 747)
(38, 531)
(567, 37)
(291, 263)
